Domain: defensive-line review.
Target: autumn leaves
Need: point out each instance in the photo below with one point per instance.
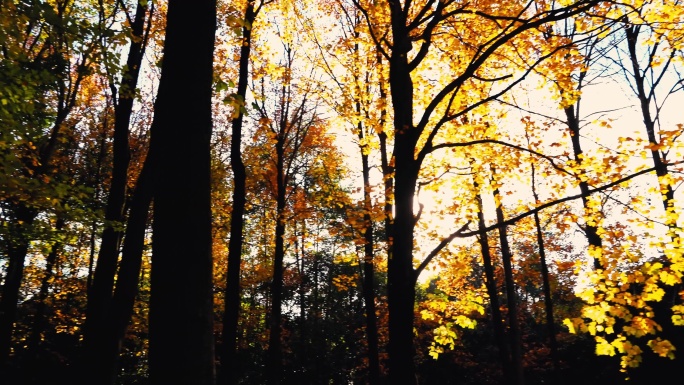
(487, 145)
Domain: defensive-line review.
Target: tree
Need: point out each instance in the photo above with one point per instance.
(102, 342)
(511, 295)
(408, 23)
(319, 269)
(287, 126)
(357, 95)
(493, 293)
(546, 285)
(645, 78)
(181, 296)
(645, 292)
(42, 43)
(235, 248)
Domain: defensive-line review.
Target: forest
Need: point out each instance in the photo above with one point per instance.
(376, 192)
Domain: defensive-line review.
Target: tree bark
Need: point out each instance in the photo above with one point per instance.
(181, 302)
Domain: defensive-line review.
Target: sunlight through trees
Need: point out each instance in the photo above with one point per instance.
(341, 191)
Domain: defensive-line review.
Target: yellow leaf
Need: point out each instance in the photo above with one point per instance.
(603, 348)
(662, 348)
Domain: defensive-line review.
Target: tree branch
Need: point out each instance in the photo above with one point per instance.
(456, 234)
(539, 208)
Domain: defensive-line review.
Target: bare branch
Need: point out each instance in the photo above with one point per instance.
(546, 205)
(456, 234)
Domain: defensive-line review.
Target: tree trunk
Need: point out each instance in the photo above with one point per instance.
(181, 302)
(548, 299)
(274, 347)
(228, 354)
(401, 277)
(369, 274)
(98, 364)
(131, 255)
(493, 293)
(511, 299)
(113, 329)
(656, 368)
(659, 163)
(368, 286)
(591, 231)
(17, 247)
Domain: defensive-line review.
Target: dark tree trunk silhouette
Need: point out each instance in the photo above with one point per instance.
(590, 230)
(228, 354)
(113, 328)
(99, 363)
(514, 336)
(368, 285)
(275, 360)
(548, 298)
(17, 247)
(181, 302)
(493, 294)
(369, 271)
(401, 278)
(644, 82)
(129, 272)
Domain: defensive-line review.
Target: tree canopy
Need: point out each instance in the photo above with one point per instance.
(341, 191)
